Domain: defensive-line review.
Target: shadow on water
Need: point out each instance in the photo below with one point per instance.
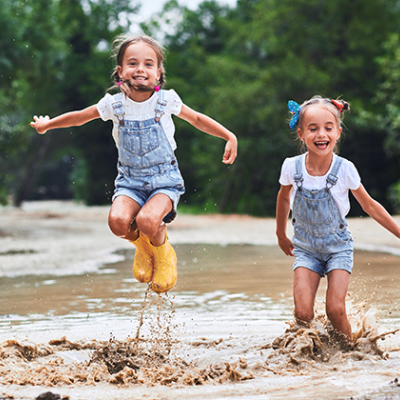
(225, 331)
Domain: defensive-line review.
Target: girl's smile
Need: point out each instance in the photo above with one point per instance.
(319, 130)
(140, 68)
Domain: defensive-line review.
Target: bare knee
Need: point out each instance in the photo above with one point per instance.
(119, 223)
(149, 223)
(335, 311)
(303, 314)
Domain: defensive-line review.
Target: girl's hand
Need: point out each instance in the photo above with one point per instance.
(230, 151)
(286, 246)
(40, 123)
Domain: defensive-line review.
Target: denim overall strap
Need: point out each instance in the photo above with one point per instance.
(298, 176)
(117, 108)
(161, 104)
(119, 112)
(332, 178)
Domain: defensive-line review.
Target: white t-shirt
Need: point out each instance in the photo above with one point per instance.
(348, 178)
(144, 110)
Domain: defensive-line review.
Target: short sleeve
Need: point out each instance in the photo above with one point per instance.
(352, 176)
(104, 108)
(175, 102)
(286, 172)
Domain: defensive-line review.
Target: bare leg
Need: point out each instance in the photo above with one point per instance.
(305, 288)
(338, 282)
(129, 221)
(149, 218)
(122, 216)
(149, 222)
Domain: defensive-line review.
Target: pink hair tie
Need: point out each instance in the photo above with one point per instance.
(119, 83)
(156, 88)
(338, 105)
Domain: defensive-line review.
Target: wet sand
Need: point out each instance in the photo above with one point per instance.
(222, 333)
(65, 238)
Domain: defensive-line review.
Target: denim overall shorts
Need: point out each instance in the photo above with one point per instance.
(146, 162)
(322, 241)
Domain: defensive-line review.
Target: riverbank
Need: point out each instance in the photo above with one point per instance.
(220, 323)
(57, 237)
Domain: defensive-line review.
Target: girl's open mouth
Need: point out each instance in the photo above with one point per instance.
(321, 145)
(139, 79)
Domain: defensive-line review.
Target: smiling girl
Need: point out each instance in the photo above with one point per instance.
(149, 183)
(315, 186)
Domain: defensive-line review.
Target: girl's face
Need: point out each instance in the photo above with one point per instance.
(319, 130)
(140, 65)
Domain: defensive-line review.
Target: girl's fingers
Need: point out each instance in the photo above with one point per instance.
(228, 157)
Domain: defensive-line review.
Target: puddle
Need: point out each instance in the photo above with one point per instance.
(226, 331)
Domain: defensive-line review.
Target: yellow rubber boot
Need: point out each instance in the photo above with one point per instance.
(143, 263)
(165, 272)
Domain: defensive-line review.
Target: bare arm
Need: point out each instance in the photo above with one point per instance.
(212, 127)
(73, 118)
(282, 215)
(376, 211)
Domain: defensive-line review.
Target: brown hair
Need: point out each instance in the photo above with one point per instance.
(119, 46)
(337, 109)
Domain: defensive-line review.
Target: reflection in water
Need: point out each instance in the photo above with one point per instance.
(225, 331)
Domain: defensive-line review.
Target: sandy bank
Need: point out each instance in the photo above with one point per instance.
(63, 237)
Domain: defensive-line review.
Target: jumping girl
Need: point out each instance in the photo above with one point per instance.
(315, 187)
(149, 183)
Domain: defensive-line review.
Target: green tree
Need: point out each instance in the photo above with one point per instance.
(388, 96)
(241, 66)
(56, 58)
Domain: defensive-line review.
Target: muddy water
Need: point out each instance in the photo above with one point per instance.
(225, 332)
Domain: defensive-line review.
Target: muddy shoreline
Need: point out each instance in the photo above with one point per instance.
(56, 237)
(68, 298)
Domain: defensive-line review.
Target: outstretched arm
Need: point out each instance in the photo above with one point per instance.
(73, 118)
(282, 215)
(376, 211)
(212, 127)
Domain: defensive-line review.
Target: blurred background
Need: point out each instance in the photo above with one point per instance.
(237, 61)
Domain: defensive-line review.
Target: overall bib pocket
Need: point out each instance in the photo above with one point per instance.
(309, 210)
(140, 142)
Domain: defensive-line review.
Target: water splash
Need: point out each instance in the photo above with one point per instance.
(163, 359)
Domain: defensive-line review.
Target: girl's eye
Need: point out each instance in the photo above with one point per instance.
(149, 65)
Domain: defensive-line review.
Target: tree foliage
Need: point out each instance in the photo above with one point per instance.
(239, 65)
(55, 58)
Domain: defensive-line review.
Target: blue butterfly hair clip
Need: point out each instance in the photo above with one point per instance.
(295, 109)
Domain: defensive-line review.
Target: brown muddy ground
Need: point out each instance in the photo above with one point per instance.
(221, 334)
(55, 236)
